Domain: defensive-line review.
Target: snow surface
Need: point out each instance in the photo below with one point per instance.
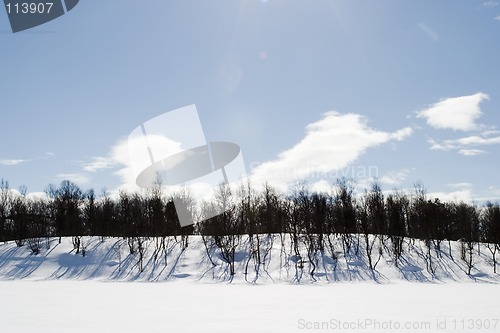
(110, 260)
(59, 291)
(187, 306)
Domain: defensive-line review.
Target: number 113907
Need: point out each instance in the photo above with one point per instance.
(29, 8)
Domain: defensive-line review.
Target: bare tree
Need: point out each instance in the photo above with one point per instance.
(36, 223)
(345, 212)
(372, 220)
(468, 220)
(19, 217)
(227, 229)
(141, 250)
(397, 207)
(5, 203)
(247, 212)
(491, 230)
(66, 200)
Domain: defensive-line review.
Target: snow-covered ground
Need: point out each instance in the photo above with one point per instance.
(187, 306)
(110, 260)
(59, 291)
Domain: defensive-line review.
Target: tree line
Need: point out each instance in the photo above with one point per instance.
(310, 219)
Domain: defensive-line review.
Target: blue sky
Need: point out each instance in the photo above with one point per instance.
(401, 91)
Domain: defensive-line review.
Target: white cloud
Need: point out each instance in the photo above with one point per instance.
(492, 194)
(12, 162)
(121, 156)
(402, 134)
(394, 178)
(490, 4)
(471, 152)
(98, 163)
(461, 186)
(321, 186)
(490, 132)
(457, 113)
(428, 31)
(127, 169)
(330, 144)
(37, 196)
(460, 192)
(465, 145)
(497, 18)
(14, 193)
(47, 155)
(457, 196)
(76, 178)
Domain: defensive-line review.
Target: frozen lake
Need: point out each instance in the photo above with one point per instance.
(186, 306)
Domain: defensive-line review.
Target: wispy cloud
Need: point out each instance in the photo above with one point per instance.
(467, 146)
(401, 134)
(460, 186)
(47, 155)
(471, 152)
(457, 113)
(98, 163)
(76, 178)
(20, 161)
(12, 162)
(490, 4)
(491, 194)
(491, 132)
(457, 196)
(464, 143)
(497, 18)
(394, 178)
(460, 192)
(330, 144)
(428, 31)
(119, 157)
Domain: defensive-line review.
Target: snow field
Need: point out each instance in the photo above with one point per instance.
(186, 306)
